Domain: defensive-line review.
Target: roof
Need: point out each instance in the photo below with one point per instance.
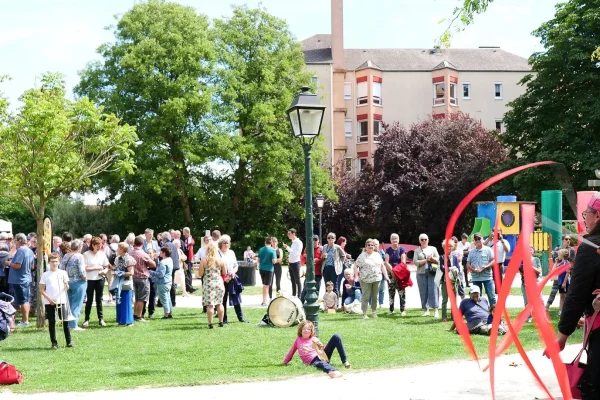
(444, 64)
(317, 50)
(368, 64)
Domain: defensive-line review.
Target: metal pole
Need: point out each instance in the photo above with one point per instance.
(320, 225)
(311, 307)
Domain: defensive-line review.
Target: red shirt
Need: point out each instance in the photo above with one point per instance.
(318, 260)
(142, 262)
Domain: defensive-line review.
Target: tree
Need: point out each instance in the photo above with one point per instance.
(260, 67)
(558, 116)
(422, 173)
(72, 215)
(156, 76)
(54, 146)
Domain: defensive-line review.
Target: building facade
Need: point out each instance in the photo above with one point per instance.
(364, 87)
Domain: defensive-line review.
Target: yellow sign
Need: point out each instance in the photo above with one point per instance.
(540, 241)
(509, 219)
(47, 235)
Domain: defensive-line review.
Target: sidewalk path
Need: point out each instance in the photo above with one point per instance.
(456, 380)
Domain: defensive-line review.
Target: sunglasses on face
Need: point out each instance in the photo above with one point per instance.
(331, 237)
(477, 239)
(424, 240)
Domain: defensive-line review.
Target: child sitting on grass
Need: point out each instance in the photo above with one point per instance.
(312, 352)
(330, 299)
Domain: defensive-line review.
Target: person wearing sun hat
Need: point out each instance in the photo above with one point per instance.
(585, 280)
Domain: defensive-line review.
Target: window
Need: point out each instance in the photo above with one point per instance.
(466, 90)
(376, 92)
(362, 164)
(453, 99)
(498, 90)
(361, 93)
(499, 126)
(377, 130)
(348, 163)
(439, 94)
(347, 91)
(314, 79)
(363, 131)
(348, 128)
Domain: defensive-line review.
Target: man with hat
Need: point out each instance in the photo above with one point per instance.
(476, 311)
(585, 280)
(480, 262)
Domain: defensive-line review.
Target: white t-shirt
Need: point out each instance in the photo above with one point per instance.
(500, 254)
(91, 260)
(295, 250)
(55, 286)
(201, 253)
(229, 260)
(462, 247)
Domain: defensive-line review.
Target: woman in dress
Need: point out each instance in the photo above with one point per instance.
(74, 264)
(124, 265)
(212, 269)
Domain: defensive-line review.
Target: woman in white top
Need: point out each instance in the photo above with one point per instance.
(428, 290)
(228, 257)
(180, 273)
(369, 267)
(96, 264)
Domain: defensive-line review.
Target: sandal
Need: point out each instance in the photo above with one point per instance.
(347, 364)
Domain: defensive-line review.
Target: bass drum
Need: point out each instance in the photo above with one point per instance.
(286, 311)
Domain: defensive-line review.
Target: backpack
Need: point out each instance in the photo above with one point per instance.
(9, 375)
(111, 255)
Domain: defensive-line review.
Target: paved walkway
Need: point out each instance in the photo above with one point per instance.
(457, 380)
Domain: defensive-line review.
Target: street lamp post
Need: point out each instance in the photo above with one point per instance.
(320, 202)
(306, 116)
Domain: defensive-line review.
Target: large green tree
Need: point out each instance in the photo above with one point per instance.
(260, 69)
(558, 117)
(54, 146)
(155, 76)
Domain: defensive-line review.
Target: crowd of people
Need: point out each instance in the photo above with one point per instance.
(142, 273)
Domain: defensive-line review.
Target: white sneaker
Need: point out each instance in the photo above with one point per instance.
(78, 329)
(374, 315)
(403, 313)
(86, 324)
(436, 315)
(365, 316)
(426, 314)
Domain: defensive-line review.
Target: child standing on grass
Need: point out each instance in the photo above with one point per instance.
(54, 284)
(313, 352)
(330, 299)
(163, 279)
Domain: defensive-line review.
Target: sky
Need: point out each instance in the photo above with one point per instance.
(38, 36)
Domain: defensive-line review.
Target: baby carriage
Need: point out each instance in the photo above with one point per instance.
(7, 315)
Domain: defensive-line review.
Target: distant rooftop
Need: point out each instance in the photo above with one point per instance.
(317, 50)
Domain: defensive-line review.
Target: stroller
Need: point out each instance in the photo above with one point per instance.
(7, 315)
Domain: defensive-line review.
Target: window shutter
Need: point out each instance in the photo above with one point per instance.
(362, 89)
(376, 89)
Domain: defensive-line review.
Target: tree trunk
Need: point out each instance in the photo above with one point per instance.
(240, 178)
(181, 175)
(40, 312)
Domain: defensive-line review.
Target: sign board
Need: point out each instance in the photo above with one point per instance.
(47, 235)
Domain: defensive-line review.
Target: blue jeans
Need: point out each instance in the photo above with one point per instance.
(334, 343)
(164, 294)
(76, 293)
(489, 290)
(429, 291)
(357, 296)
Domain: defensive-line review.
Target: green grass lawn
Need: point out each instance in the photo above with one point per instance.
(183, 351)
(516, 291)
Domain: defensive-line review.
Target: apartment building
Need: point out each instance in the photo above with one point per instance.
(364, 87)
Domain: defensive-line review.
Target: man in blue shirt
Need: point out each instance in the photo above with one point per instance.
(266, 258)
(480, 262)
(19, 278)
(476, 312)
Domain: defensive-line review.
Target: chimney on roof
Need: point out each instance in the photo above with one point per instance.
(436, 50)
(337, 33)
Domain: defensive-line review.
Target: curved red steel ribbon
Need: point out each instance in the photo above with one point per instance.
(544, 327)
(461, 326)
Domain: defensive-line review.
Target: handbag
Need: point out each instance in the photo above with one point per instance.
(576, 369)
(9, 375)
(127, 284)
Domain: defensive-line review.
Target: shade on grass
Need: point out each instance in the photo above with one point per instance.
(183, 351)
